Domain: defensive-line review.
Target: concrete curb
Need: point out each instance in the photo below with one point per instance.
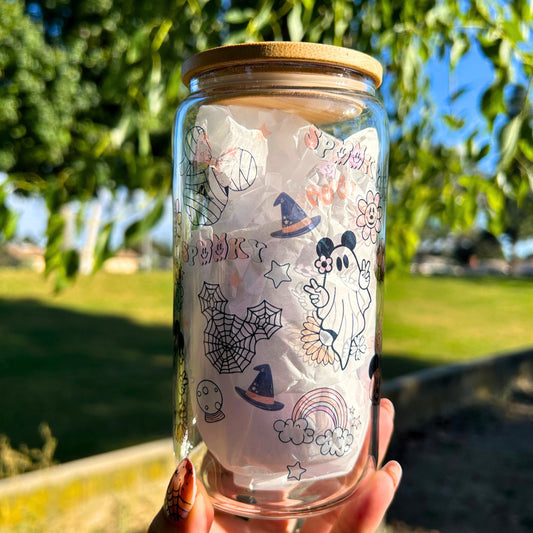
(43, 495)
(438, 391)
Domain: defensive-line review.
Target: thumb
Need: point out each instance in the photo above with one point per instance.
(187, 508)
(364, 512)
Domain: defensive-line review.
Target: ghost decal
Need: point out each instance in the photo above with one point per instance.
(341, 299)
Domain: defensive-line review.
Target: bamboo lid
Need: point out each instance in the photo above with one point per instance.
(304, 53)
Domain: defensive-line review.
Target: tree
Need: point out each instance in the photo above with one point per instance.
(106, 79)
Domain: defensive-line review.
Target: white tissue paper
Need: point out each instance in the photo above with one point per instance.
(279, 292)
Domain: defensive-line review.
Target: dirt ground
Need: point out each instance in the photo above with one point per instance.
(471, 472)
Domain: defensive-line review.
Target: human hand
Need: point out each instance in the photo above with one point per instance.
(364, 275)
(187, 508)
(318, 295)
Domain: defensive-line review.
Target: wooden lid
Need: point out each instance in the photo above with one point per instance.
(310, 53)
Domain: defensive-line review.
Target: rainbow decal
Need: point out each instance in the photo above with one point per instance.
(334, 439)
(326, 400)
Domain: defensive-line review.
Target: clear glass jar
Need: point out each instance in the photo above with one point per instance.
(280, 179)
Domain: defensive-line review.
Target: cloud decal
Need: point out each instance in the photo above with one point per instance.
(335, 442)
(295, 431)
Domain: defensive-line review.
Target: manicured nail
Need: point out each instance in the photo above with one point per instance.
(394, 470)
(181, 492)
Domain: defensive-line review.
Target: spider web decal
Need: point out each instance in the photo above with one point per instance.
(230, 341)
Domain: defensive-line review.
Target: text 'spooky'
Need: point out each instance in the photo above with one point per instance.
(222, 248)
(344, 153)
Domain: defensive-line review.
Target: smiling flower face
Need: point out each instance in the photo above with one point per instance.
(369, 217)
(324, 264)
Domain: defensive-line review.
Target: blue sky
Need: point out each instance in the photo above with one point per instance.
(474, 72)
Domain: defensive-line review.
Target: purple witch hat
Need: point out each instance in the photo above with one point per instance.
(261, 392)
(294, 220)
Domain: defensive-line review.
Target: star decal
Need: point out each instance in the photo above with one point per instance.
(235, 280)
(278, 273)
(295, 471)
(356, 422)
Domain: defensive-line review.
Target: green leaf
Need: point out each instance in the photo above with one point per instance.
(495, 198)
(468, 181)
(174, 84)
(420, 216)
(8, 219)
(9, 225)
(457, 94)
(145, 147)
(522, 192)
(505, 52)
(492, 102)
(239, 16)
(294, 23)
(470, 206)
(71, 263)
(138, 45)
(237, 37)
(453, 122)
(483, 152)
(54, 233)
(459, 47)
(409, 66)
(484, 10)
(162, 32)
(491, 48)
(509, 141)
(512, 30)
(102, 249)
(527, 148)
(138, 230)
(263, 17)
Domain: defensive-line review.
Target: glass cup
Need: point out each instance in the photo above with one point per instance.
(280, 179)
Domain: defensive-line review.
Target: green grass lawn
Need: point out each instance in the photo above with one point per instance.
(429, 321)
(95, 362)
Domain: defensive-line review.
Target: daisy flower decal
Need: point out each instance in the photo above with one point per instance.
(369, 218)
(358, 347)
(317, 350)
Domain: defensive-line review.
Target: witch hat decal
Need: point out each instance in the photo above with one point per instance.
(261, 392)
(294, 220)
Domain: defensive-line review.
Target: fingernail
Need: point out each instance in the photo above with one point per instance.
(394, 470)
(181, 492)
